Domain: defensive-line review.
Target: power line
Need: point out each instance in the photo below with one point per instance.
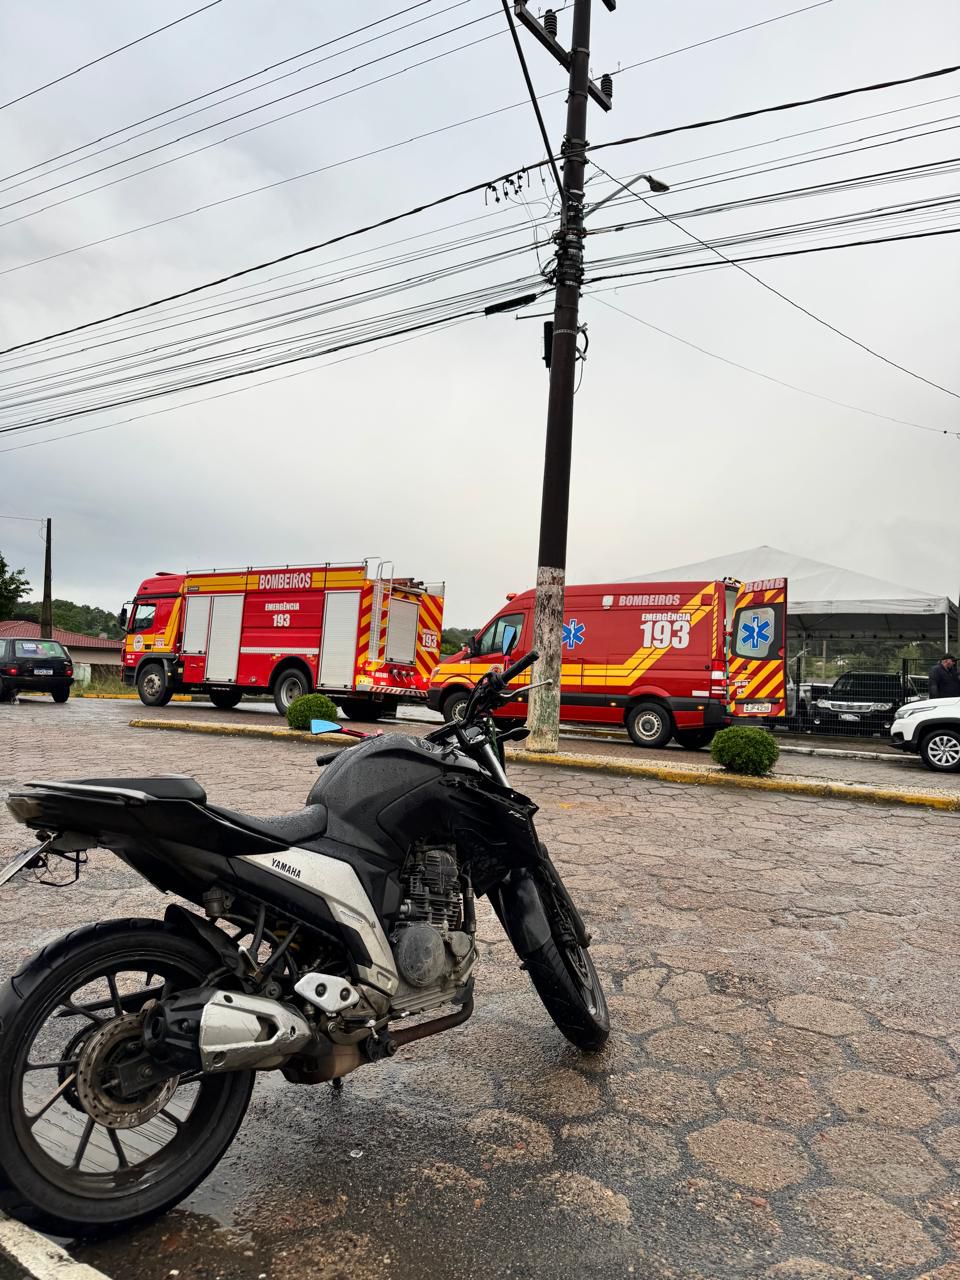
(207, 146)
(770, 378)
(103, 57)
(532, 93)
(464, 191)
(272, 66)
(790, 302)
(363, 155)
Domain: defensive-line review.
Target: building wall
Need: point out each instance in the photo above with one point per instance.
(95, 657)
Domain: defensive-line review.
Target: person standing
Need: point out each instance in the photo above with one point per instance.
(944, 678)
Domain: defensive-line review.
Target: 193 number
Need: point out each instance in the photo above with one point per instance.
(281, 619)
(664, 634)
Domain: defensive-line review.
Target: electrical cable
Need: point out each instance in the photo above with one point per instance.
(463, 191)
(103, 56)
(303, 53)
(240, 133)
(903, 422)
(790, 301)
(532, 93)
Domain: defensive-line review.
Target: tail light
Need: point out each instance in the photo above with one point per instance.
(11, 671)
(718, 680)
(69, 670)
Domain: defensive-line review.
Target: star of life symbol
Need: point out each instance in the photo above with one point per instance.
(755, 633)
(573, 633)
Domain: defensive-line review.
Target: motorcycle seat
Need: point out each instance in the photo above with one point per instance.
(170, 786)
(308, 823)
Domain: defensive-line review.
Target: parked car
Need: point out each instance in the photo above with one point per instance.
(930, 729)
(863, 702)
(41, 665)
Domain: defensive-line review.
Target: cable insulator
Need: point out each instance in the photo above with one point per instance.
(550, 24)
(606, 87)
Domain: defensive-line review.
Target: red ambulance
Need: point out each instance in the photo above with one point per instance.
(665, 659)
(367, 639)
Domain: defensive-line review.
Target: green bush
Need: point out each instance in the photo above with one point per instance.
(745, 750)
(312, 706)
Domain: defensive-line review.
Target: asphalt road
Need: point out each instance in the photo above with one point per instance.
(779, 1098)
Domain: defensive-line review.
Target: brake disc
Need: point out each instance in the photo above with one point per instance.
(101, 1053)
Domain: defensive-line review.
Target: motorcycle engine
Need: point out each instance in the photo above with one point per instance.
(430, 946)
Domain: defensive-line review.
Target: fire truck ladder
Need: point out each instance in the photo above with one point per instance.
(382, 594)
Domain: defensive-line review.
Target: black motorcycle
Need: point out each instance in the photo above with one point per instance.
(330, 938)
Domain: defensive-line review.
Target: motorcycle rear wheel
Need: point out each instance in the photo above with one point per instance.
(61, 1169)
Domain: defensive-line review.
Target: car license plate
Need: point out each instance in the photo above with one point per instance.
(43, 671)
(757, 708)
(848, 715)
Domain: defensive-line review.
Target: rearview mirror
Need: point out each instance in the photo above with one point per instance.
(324, 726)
(508, 643)
(122, 618)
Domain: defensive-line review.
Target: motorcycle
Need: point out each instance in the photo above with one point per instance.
(330, 938)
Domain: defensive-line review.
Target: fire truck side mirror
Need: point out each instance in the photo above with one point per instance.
(509, 641)
(122, 618)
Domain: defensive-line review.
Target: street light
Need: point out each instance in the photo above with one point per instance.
(656, 186)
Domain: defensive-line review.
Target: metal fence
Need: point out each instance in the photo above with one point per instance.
(853, 688)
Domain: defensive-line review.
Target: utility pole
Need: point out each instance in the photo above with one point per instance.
(543, 716)
(46, 606)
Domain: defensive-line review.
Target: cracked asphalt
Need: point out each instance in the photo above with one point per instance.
(779, 1099)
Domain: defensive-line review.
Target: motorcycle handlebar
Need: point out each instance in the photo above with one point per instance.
(521, 664)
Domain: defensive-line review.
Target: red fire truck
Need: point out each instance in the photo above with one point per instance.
(667, 659)
(367, 639)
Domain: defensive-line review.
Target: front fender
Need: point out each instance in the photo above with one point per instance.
(519, 907)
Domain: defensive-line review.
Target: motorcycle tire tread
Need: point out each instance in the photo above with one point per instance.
(563, 1000)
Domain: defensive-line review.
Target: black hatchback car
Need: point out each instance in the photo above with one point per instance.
(41, 665)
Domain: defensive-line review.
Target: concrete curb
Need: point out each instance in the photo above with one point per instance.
(38, 1258)
(718, 778)
(241, 731)
(702, 776)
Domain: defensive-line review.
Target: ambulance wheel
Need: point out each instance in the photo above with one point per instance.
(290, 685)
(359, 709)
(226, 699)
(153, 686)
(694, 739)
(454, 705)
(649, 724)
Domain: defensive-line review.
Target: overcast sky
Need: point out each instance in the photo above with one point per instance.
(429, 454)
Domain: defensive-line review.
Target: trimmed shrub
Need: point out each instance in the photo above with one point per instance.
(742, 749)
(312, 706)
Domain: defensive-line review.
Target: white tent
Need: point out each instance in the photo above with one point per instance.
(826, 602)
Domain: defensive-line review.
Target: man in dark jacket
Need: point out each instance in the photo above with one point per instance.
(944, 678)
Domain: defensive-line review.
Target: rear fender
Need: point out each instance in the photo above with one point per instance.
(215, 940)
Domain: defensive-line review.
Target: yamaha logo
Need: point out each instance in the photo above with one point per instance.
(286, 868)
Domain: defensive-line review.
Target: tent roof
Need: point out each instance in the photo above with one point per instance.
(824, 597)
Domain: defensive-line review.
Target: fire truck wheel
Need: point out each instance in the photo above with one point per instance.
(694, 739)
(454, 705)
(290, 685)
(152, 685)
(649, 724)
(225, 699)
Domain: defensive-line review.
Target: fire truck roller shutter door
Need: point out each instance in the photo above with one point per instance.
(196, 625)
(402, 631)
(224, 643)
(338, 646)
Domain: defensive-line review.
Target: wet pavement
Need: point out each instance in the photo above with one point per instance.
(779, 1099)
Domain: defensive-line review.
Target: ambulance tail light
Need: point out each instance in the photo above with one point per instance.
(718, 680)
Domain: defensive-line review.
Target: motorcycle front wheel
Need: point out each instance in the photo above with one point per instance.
(76, 1156)
(569, 986)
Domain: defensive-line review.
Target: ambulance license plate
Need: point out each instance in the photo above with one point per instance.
(757, 708)
(43, 671)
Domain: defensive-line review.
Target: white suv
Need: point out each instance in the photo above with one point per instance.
(931, 729)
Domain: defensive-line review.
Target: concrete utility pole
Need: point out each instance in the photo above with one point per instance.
(543, 716)
(46, 606)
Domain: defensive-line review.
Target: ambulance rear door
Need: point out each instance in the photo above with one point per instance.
(757, 659)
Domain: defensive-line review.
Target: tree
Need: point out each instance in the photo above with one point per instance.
(13, 586)
(454, 638)
(85, 619)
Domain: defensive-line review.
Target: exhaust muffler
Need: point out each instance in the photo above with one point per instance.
(208, 1030)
